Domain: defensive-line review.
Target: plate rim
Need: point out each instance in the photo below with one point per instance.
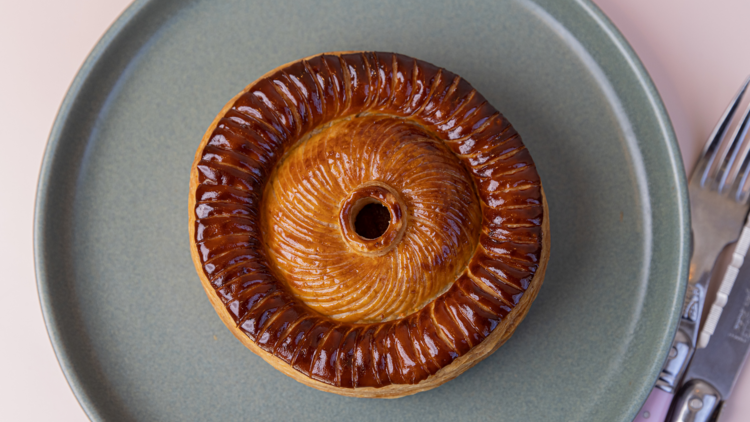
(677, 169)
(136, 9)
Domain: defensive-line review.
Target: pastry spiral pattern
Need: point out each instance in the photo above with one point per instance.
(301, 219)
(277, 185)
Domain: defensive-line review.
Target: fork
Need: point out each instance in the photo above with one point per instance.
(718, 191)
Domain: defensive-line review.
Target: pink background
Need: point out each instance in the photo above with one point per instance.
(696, 52)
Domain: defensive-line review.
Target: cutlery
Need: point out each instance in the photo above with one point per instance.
(714, 368)
(718, 207)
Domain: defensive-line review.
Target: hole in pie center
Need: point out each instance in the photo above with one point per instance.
(372, 220)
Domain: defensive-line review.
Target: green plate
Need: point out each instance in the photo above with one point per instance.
(132, 328)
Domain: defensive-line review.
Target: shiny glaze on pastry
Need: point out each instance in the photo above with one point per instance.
(278, 183)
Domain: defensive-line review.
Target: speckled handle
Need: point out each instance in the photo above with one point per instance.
(656, 406)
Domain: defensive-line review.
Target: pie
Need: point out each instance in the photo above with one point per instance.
(367, 223)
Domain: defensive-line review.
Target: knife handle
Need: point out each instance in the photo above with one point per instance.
(738, 258)
(656, 406)
(697, 402)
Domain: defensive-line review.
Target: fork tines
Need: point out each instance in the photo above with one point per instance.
(719, 165)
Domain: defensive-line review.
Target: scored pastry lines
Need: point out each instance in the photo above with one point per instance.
(450, 121)
(319, 89)
(416, 90)
(425, 342)
(369, 73)
(456, 320)
(488, 288)
(454, 338)
(291, 104)
(347, 84)
(240, 116)
(445, 338)
(320, 356)
(503, 277)
(491, 159)
(437, 80)
(461, 287)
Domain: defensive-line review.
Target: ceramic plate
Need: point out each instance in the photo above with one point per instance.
(132, 328)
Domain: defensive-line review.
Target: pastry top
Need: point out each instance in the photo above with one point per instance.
(291, 166)
(316, 194)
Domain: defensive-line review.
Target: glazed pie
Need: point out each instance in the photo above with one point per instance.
(367, 223)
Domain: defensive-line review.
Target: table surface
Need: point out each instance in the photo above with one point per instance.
(692, 50)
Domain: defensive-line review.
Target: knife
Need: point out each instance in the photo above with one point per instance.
(713, 371)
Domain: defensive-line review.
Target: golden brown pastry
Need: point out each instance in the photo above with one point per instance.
(367, 223)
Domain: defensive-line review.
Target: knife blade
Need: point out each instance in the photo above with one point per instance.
(713, 371)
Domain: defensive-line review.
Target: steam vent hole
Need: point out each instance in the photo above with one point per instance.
(372, 220)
